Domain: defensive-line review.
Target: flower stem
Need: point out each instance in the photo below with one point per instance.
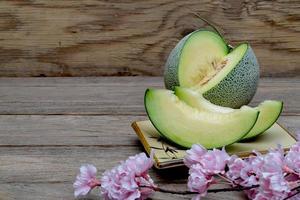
(225, 178)
(296, 188)
(231, 189)
(164, 190)
(296, 193)
(94, 183)
(290, 171)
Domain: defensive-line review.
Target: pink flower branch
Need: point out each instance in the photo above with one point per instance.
(272, 176)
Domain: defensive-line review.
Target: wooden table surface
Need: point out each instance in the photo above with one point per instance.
(50, 126)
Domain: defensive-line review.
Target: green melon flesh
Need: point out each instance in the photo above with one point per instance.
(185, 125)
(203, 61)
(269, 110)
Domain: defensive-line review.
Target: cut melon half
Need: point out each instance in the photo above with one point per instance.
(195, 57)
(203, 61)
(185, 125)
(269, 110)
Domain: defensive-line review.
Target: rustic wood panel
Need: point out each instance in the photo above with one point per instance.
(81, 131)
(26, 169)
(112, 95)
(66, 130)
(40, 154)
(48, 191)
(35, 169)
(99, 38)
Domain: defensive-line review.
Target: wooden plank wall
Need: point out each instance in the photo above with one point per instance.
(130, 37)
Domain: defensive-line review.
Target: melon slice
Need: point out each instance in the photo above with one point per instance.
(269, 113)
(185, 125)
(269, 110)
(202, 60)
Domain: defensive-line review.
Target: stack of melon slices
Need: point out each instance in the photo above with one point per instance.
(212, 84)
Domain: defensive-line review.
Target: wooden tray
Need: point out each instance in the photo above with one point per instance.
(167, 155)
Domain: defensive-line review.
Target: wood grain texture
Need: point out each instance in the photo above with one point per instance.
(100, 38)
(61, 191)
(81, 131)
(43, 170)
(112, 95)
(40, 155)
(67, 130)
(44, 191)
(87, 120)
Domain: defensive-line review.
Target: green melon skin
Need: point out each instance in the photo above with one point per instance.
(171, 68)
(239, 86)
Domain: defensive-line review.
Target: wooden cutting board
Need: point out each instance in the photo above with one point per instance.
(168, 155)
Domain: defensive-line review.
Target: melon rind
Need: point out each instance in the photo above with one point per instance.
(239, 85)
(172, 65)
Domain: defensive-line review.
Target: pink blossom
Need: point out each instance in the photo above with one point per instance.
(140, 163)
(214, 161)
(249, 177)
(235, 165)
(251, 193)
(264, 171)
(251, 173)
(272, 183)
(129, 180)
(85, 180)
(238, 170)
(194, 155)
(256, 161)
(243, 172)
(261, 196)
(273, 161)
(292, 158)
(198, 181)
(273, 187)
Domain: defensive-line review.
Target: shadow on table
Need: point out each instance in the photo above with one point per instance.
(172, 174)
